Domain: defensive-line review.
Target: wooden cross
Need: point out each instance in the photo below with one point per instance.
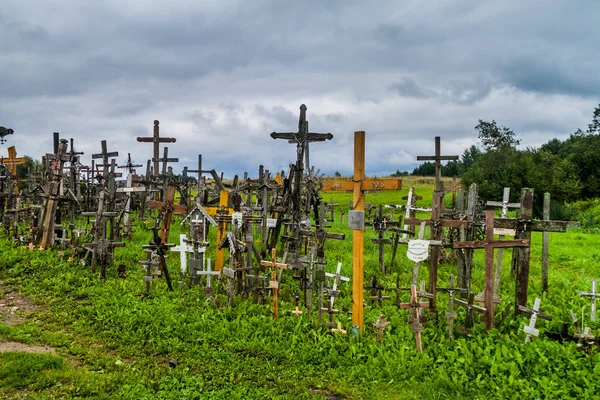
(380, 225)
(415, 306)
(12, 160)
(470, 308)
(594, 295)
(165, 160)
(160, 248)
(380, 326)
(101, 247)
(489, 244)
(376, 291)
(156, 140)
(331, 208)
(167, 208)
(530, 329)
(129, 190)
(339, 329)
(302, 138)
(524, 225)
(337, 277)
(437, 225)
(356, 222)
(451, 314)
(149, 262)
(129, 165)
(437, 159)
(505, 205)
(105, 155)
(297, 312)
(274, 284)
(223, 214)
(53, 191)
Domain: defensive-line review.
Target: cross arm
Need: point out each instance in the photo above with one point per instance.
(531, 225)
(434, 158)
(539, 314)
(450, 223)
(480, 244)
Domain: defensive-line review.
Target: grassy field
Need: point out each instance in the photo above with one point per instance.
(109, 341)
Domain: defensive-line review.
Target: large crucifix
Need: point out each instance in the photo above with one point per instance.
(157, 140)
(302, 138)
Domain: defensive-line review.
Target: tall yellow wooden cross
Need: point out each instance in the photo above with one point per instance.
(223, 210)
(12, 161)
(356, 220)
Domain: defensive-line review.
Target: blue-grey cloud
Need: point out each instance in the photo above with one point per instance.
(222, 75)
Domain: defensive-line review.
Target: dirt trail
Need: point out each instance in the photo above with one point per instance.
(14, 309)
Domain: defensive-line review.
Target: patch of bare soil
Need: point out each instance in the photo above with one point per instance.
(14, 308)
(16, 346)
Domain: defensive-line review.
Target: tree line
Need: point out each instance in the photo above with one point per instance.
(568, 169)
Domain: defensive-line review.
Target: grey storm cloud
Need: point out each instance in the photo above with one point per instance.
(222, 75)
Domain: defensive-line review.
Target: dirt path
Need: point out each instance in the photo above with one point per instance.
(14, 309)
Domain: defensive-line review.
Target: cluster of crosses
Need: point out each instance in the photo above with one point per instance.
(87, 211)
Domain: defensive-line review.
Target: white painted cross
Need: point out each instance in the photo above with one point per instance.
(336, 278)
(182, 249)
(530, 329)
(594, 296)
(208, 272)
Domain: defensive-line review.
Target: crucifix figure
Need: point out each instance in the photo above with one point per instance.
(380, 326)
(129, 165)
(302, 138)
(274, 284)
(156, 140)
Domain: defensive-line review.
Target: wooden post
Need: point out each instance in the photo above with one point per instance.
(545, 244)
(521, 255)
(358, 235)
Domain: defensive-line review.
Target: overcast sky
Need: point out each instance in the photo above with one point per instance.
(222, 75)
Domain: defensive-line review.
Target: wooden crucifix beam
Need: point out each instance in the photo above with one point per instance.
(156, 140)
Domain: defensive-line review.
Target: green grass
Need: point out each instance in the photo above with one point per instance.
(118, 343)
